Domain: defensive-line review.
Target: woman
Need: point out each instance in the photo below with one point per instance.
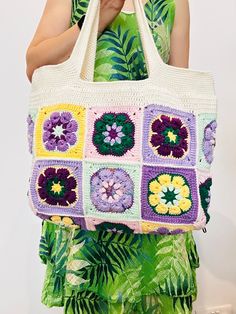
(119, 272)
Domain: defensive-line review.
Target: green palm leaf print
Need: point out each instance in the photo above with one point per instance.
(85, 302)
(159, 12)
(46, 246)
(172, 267)
(127, 60)
(106, 256)
(79, 8)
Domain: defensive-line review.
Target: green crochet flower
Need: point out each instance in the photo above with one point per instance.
(113, 134)
(205, 194)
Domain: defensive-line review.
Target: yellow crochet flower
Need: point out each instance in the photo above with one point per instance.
(62, 220)
(174, 210)
(185, 191)
(178, 181)
(164, 179)
(162, 208)
(185, 204)
(154, 199)
(169, 194)
(154, 186)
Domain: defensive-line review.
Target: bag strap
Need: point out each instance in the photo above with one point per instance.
(84, 52)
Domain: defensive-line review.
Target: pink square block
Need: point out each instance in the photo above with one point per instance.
(98, 224)
(114, 133)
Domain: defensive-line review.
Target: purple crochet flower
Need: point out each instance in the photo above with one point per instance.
(169, 136)
(56, 186)
(112, 190)
(30, 123)
(165, 231)
(60, 131)
(209, 140)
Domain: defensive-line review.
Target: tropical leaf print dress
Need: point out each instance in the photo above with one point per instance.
(120, 272)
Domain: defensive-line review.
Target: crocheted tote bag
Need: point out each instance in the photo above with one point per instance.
(127, 155)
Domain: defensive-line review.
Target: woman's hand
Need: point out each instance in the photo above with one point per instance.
(109, 9)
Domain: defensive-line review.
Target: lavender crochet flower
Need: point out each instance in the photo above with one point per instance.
(169, 136)
(165, 231)
(209, 140)
(60, 131)
(57, 186)
(113, 134)
(30, 123)
(112, 190)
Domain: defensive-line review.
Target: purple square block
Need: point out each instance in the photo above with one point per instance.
(56, 187)
(148, 213)
(176, 126)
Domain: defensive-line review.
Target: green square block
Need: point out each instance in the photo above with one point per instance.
(205, 120)
(111, 190)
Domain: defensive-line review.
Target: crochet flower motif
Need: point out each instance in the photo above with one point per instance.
(209, 140)
(56, 186)
(169, 194)
(205, 195)
(62, 220)
(165, 231)
(59, 131)
(113, 134)
(169, 136)
(30, 124)
(113, 227)
(112, 190)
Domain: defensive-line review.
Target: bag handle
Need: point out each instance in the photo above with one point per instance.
(84, 52)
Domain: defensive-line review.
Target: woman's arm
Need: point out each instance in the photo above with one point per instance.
(54, 39)
(179, 42)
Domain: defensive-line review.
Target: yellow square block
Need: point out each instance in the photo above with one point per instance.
(60, 131)
(148, 227)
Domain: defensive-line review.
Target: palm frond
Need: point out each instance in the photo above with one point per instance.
(85, 302)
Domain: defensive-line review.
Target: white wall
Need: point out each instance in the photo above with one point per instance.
(213, 48)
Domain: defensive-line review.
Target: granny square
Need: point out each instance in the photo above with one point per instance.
(169, 195)
(207, 126)
(164, 229)
(204, 185)
(111, 190)
(64, 220)
(56, 187)
(60, 131)
(169, 136)
(32, 113)
(114, 133)
(109, 225)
